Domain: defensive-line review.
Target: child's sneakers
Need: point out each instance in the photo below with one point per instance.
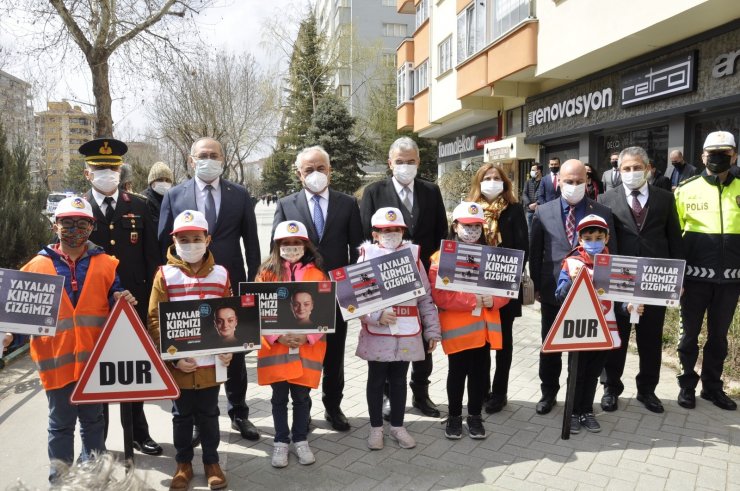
(475, 427)
(575, 424)
(402, 436)
(280, 454)
(375, 438)
(588, 421)
(453, 430)
(304, 453)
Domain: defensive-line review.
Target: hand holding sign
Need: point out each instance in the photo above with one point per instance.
(125, 295)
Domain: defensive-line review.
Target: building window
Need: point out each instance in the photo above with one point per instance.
(344, 91)
(471, 30)
(421, 77)
(388, 3)
(515, 121)
(507, 14)
(394, 30)
(404, 78)
(444, 52)
(389, 59)
(422, 12)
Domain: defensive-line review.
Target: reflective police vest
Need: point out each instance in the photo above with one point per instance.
(709, 215)
(182, 286)
(61, 358)
(462, 330)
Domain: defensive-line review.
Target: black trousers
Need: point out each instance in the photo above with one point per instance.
(394, 372)
(649, 335)
(420, 372)
(719, 301)
(332, 382)
(236, 388)
(200, 405)
(471, 365)
(590, 365)
(551, 364)
(141, 427)
(500, 386)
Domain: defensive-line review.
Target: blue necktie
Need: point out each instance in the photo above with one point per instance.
(210, 209)
(318, 216)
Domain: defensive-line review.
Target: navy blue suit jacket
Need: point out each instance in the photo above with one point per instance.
(546, 192)
(236, 221)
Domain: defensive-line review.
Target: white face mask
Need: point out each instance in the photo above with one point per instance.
(191, 253)
(634, 180)
(469, 233)
(390, 240)
(292, 253)
(533, 174)
(208, 170)
(405, 173)
(316, 182)
(106, 180)
(161, 187)
(491, 189)
(573, 193)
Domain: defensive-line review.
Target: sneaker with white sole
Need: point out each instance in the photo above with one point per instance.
(453, 430)
(304, 453)
(402, 436)
(475, 427)
(375, 438)
(280, 454)
(575, 424)
(588, 421)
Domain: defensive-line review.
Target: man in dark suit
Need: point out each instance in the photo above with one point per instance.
(333, 222)
(424, 213)
(552, 224)
(646, 222)
(679, 169)
(230, 214)
(656, 178)
(124, 228)
(549, 189)
(611, 178)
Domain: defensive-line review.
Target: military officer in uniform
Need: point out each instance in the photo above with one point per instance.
(124, 228)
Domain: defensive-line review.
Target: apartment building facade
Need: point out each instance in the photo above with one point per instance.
(517, 81)
(16, 110)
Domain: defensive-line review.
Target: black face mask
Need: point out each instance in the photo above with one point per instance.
(717, 163)
(554, 170)
(615, 163)
(678, 165)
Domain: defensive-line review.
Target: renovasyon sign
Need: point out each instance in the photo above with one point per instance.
(644, 280)
(377, 283)
(29, 302)
(476, 268)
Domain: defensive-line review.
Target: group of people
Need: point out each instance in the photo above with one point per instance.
(202, 221)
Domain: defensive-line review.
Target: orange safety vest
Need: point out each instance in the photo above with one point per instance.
(61, 358)
(275, 363)
(462, 330)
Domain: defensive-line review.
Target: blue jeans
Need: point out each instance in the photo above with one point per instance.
(301, 407)
(63, 417)
(201, 404)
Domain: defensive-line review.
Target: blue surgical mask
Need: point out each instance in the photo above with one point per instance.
(593, 247)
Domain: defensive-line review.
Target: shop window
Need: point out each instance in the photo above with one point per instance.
(653, 139)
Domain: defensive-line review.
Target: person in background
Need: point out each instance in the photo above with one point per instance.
(160, 181)
(593, 185)
(549, 187)
(529, 193)
(656, 178)
(503, 226)
(680, 170)
(127, 178)
(611, 178)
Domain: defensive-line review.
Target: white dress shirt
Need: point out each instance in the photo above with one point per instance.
(399, 190)
(201, 193)
(642, 197)
(99, 197)
(323, 202)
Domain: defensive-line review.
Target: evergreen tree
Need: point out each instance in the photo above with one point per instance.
(23, 228)
(74, 177)
(331, 128)
(276, 174)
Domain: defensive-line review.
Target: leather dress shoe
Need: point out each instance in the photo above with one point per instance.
(196, 437)
(609, 402)
(495, 404)
(337, 419)
(651, 401)
(719, 399)
(386, 408)
(423, 403)
(545, 405)
(148, 446)
(687, 398)
(246, 428)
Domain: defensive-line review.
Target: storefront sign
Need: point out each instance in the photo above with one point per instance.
(467, 143)
(725, 64)
(672, 77)
(509, 149)
(580, 105)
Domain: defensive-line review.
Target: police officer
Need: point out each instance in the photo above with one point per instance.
(124, 228)
(709, 214)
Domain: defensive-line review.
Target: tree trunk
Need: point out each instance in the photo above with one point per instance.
(103, 99)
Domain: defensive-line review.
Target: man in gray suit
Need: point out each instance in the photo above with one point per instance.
(611, 178)
(553, 237)
(334, 226)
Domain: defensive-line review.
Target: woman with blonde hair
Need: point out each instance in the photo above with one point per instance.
(505, 226)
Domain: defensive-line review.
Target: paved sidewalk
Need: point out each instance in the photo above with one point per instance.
(680, 449)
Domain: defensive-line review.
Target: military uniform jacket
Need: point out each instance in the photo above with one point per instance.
(131, 237)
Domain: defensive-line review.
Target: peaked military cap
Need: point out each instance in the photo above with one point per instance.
(104, 151)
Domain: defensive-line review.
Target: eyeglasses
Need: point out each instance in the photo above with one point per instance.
(75, 222)
(203, 156)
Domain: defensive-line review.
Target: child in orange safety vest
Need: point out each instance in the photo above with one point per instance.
(191, 274)
(291, 363)
(471, 327)
(593, 235)
(90, 287)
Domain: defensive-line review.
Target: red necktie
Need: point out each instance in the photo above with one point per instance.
(570, 224)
